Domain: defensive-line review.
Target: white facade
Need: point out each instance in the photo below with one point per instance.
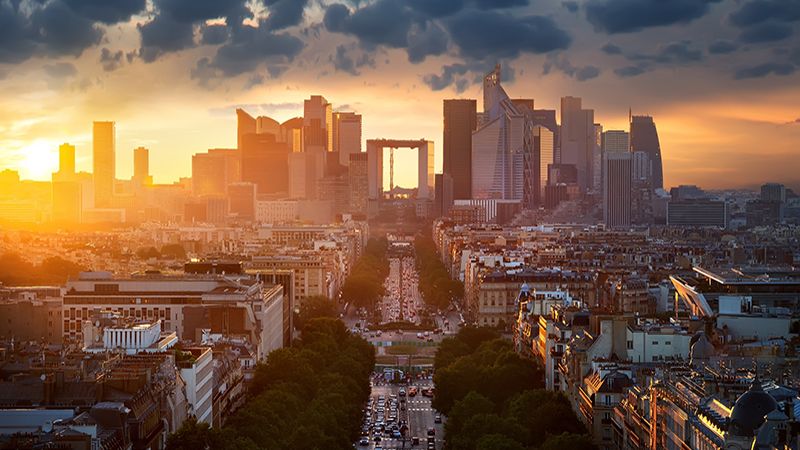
(276, 211)
(199, 379)
(657, 344)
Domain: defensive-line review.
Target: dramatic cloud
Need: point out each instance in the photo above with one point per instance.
(571, 6)
(563, 65)
(443, 8)
(611, 49)
(503, 35)
(721, 46)
(447, 78)
(625, 16)
(631, 71)
(759, 11)
(672, 53)
(285, 13)
(343, 62)
(385, 22)
(110, 60)
(192, 11)
(763, 70)
(766, 32)
(214, 34)
(164, 34)
(107, 11)
(431, 40)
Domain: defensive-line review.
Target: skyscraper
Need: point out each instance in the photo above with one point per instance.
(617, 189)
(500, 146)
(460, 120)
(616, 141)
(265, 162)
(104, 163)
(346, 135)
(66, 159)
(213, 171)
(141, 166)
(443, 197)
(577, 138)
(542, 158)
(597, 159)
(245, 124)
(318, 124)
(644, 138)
(358, 179)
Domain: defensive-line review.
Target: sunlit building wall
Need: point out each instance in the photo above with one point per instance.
(104, 163)
(66, 159)
(346, 135)
(318, 124)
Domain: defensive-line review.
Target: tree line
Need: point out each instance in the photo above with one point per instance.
(438, 289)
(307, 396)
(364, 286)
(494, 398)
(16, 271)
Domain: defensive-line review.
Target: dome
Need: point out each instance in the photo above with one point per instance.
(749, 411)
(701, 349)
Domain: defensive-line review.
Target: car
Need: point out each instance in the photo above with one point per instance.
(377, 438)
(363, 442)
(415, 440)
(437, 419)
(431, 432)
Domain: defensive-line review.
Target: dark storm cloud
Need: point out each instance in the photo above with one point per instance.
(107, 11)
(443, 8)
(611, 49)
(344, 62)
(191, 11)
(448, 76)
(571, 6)
(563, 65)
(763, 70)
(625, 16)
(385, 22)
(431, 40)
(164, 34)
(766, 32)
(672, 53)
(758, 11)
(721, 47)
(111, 60)
(249, 49)
(504, 35)
(285, 13)
(214, 34)
(631, 71)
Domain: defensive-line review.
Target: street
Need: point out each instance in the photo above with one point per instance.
(413, 411)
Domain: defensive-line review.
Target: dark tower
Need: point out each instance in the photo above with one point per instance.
(460, 120)
(644, 138)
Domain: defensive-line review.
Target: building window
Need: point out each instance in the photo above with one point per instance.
(667, 342)
(655, 342)
(630, 345)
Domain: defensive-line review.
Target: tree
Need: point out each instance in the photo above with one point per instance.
(147, 253)
(314, 307)
(568, 440)
(192, 435)
(173, 251)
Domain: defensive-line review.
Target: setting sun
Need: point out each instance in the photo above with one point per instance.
(38, 159)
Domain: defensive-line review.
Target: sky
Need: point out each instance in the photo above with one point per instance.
(720, 77)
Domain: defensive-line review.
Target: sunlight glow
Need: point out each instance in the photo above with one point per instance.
(38, 159)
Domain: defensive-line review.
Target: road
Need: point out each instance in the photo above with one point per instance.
(416, 412)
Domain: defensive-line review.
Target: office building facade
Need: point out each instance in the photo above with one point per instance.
(104, 163)
(460, 120)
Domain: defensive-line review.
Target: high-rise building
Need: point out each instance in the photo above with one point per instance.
(318, 124)
(265, 162)
(616, 141)
(773, 192)
(245, 124)
(597, 159)
(501, 148)
(460, 120)
(644, 138)
(543, 155)
(213, 171)
(242, 201)
(104, 163)
(443, 199)
(66, 159)
(359, 182)
(305, 170)
(547, 119)
(141, 166)
(697, 213)
(346, 135)
(617, 189)
(577, 139)
(642, 169)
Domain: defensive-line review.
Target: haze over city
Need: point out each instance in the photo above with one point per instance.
(399, 224)
(719, 76)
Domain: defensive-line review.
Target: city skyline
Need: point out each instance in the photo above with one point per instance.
(727, 94)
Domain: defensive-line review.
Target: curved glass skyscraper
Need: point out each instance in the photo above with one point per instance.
(644, 138)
